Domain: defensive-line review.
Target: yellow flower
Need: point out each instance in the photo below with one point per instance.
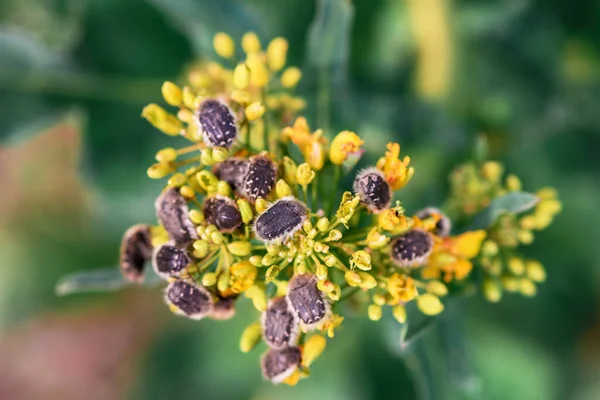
(331, 323)
(402, 288)
(451, 256)
(397, 172)
(346, 143)
(347, 206)
(312, 145)
(241, 276)
(312, 349)
(393, 219)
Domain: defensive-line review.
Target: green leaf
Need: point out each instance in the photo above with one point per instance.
(329, 33)
(100, 280)
(513, 203)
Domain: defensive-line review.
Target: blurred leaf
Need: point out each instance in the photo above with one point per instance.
(329, 34)
(482, 149)
(100, 280)
(201, 19)
(351, 161)
(514, 203)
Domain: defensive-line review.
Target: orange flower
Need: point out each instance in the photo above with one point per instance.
(312, 145)
(397, 172)
(402, 288)
(451, 256)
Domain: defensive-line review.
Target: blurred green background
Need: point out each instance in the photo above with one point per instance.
(432, 74)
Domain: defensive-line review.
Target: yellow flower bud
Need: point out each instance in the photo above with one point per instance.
(217, 237)
(196, 217)
(223, 188)
(276, 53)
(166, 155)
(172, 93)
(241, 76)
(209, 279)
(525, 236)
(245, 210)
(492, 291)
(187, 192)
(206, 157)
(361, 259)
(326, 286)
(219, 154)
(240, 248)
(343, 145)
(334, 235)
(335, 294)
(206, 180)
(312, 233)
(223, 44)
(513, 183)
(290, 77)
(510, 283)
(429, 304)
(304, 174)
(376, 240)
(162, 120)
(527, 288)
(489, 248)
(352, 278)
(330, 260)
(259, 75)
(535, 271)
(437, 288)
(254, 111)
(289, 170)
(492, 171)
(158, 171)
(259, 301)
(367, 281)
(256, 260)
(321, 272)
(516, 266)
(241, 97)
(250, 42)
(272, 272)
(323, 224)
(374, 311)
(282, 189)
(200, 248)
(189, 98)
(261, 205)
(313, 347)
(223, 281)
(250, 337)
(399, 312)
(268, 259)
(528, 222)
(177, 180)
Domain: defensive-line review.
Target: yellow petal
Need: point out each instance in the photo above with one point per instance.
(469, 243)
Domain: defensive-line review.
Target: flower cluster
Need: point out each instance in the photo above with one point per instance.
(240, 218)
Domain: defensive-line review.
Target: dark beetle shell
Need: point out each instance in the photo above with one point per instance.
(279, 323)
(233, 171)
(280, 220)
(306, 299)
(169, 260)
(172, 212)
(136, 250)
(223, 213)
(412, 249)
(189, 299)
(260, 178)
(443, 226)
(278, 364)
(217, 123)
(373, 189)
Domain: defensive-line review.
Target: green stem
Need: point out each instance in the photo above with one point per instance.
(418, 363)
